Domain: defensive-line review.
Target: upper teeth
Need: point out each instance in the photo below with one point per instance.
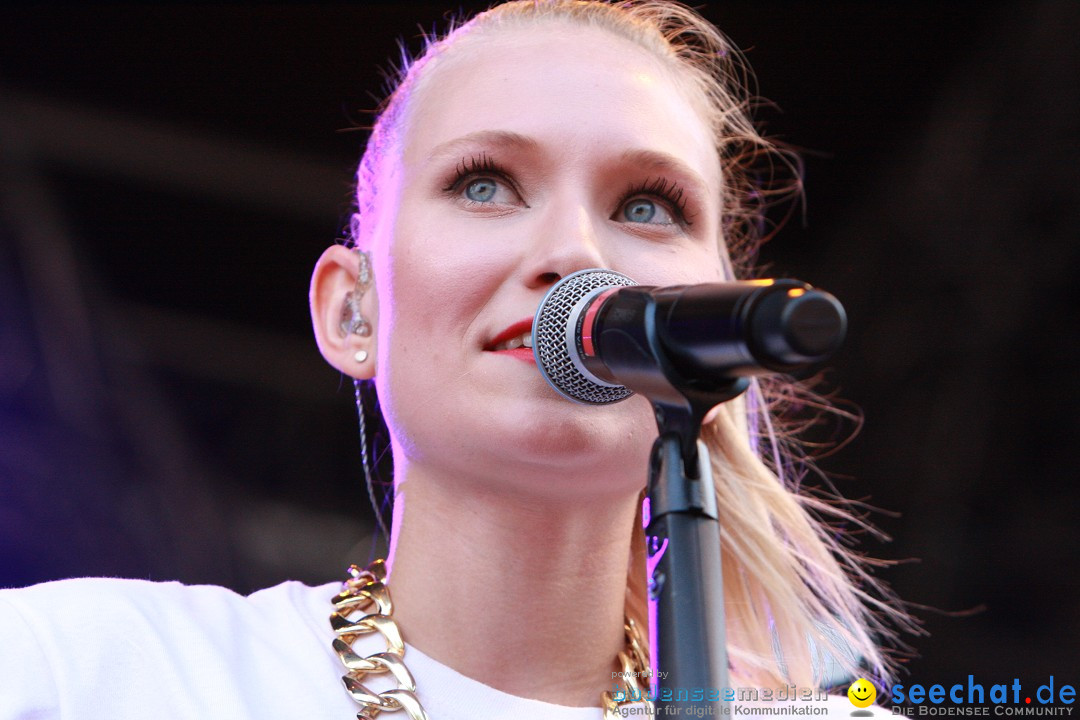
(523, 340)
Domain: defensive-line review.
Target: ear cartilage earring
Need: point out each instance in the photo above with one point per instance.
(360, 356)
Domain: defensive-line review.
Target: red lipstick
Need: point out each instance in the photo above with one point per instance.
(519, 328)
(516, 330)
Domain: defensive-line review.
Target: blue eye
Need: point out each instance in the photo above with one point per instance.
(640, 210)
(481, 185)
(481, 190)
(657, 203)
(644, 210)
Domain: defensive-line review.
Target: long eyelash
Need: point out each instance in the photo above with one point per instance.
(468, 167)
(664, 189)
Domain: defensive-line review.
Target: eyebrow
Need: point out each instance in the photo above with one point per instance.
(499, 139)
(661, 162)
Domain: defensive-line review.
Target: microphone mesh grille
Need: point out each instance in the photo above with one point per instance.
(549, 337)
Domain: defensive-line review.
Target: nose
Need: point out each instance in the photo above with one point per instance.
(566, 239)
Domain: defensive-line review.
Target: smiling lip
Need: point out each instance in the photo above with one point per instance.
(519, 328)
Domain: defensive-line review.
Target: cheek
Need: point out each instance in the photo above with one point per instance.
(433, 283)
(438, 266)
(684, 264)
(423, 280)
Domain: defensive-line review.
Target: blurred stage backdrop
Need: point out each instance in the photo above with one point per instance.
(169, 174)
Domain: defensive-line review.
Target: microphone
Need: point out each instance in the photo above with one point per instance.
(598, 336)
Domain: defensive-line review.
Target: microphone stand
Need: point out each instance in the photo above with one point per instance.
(686, 580)
(685, 362)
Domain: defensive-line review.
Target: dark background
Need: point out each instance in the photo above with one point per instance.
(170, 173)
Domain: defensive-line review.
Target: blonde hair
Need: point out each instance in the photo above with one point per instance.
(797, 597)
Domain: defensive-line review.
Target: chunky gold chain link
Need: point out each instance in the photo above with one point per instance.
(365, 592)
(634, 669)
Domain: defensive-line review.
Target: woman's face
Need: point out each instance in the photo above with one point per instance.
(528, 155)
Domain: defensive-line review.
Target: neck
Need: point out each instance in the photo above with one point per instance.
(522, 592)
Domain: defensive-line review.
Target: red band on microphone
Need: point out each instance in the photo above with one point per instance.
(589, 320)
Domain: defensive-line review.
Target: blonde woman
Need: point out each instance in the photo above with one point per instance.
(535, 140)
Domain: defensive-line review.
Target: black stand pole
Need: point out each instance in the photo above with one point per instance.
(686, 583)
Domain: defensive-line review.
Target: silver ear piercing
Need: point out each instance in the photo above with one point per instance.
(360, 356)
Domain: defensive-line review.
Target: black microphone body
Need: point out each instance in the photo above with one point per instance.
(663, 340)
(712, 332)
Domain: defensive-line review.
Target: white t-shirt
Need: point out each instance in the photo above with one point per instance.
(106, 649)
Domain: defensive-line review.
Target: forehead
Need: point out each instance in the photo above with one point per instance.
(572, 89)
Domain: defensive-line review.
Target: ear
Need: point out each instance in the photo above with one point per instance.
(335, 277)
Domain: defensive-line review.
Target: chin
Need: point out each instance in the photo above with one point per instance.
(585, 442)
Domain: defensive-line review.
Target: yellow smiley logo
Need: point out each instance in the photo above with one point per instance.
(861, 693)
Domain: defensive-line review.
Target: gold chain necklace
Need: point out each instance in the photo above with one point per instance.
(365, 592)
